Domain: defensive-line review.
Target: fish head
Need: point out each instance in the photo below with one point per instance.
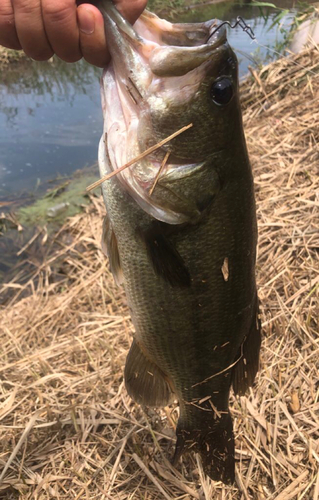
(164, 77)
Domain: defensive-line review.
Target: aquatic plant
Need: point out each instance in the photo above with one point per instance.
(302, 12)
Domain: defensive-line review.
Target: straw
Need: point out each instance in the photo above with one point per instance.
(139, 157)
(66, 330)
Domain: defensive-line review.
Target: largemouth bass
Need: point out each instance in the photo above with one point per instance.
(186, 252)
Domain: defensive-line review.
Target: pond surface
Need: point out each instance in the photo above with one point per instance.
(50, 113)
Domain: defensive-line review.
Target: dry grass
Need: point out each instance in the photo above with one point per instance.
(68, 428)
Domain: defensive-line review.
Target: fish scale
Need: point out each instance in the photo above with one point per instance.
(189, 275)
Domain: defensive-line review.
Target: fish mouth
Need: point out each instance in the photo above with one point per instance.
(119, 145)
(157, 47)
(152, 53)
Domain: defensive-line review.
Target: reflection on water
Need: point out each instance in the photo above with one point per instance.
(50, 122)
(53, 78)
(50, 113)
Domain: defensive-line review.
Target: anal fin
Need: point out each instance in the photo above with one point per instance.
(244, 372)
(144, 380)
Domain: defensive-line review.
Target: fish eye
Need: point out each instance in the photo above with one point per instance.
(222, 91)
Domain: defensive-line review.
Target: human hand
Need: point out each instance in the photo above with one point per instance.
(45, 27)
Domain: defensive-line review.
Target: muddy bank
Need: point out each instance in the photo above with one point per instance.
(27, 221)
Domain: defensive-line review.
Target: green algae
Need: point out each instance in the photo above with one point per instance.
(71, 194)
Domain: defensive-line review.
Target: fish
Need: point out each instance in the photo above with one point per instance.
(181, 236)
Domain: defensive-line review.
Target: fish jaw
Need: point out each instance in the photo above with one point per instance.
(119, 145)
(145, 78)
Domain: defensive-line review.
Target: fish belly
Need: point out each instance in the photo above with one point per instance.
(192, 336)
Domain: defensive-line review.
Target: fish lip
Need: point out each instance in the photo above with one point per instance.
(154, 57)
(218, 33)
(111, 14)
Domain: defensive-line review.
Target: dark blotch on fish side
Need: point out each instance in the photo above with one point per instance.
(166, 260)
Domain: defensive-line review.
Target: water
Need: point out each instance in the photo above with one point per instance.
(50, 113)
(50, 123)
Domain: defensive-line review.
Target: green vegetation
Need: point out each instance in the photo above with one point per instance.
(8, 56)
(302, 12)
(66, 200)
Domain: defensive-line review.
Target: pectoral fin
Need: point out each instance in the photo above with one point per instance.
(144, 380)
(110, 249)
(245, 370)
(166, 260)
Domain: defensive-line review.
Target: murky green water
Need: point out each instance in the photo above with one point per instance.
(50, 115)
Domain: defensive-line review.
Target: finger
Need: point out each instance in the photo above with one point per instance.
(8, 33)
(92, 35)
(61, 27)
(131, 9)
(30, 29)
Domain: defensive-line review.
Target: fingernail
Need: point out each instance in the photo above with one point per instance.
(86, 22)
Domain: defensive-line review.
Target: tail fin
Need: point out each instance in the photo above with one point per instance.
(214, 442)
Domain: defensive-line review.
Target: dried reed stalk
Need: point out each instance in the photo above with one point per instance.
(160, 170)
(65, 332)
(139, 157)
